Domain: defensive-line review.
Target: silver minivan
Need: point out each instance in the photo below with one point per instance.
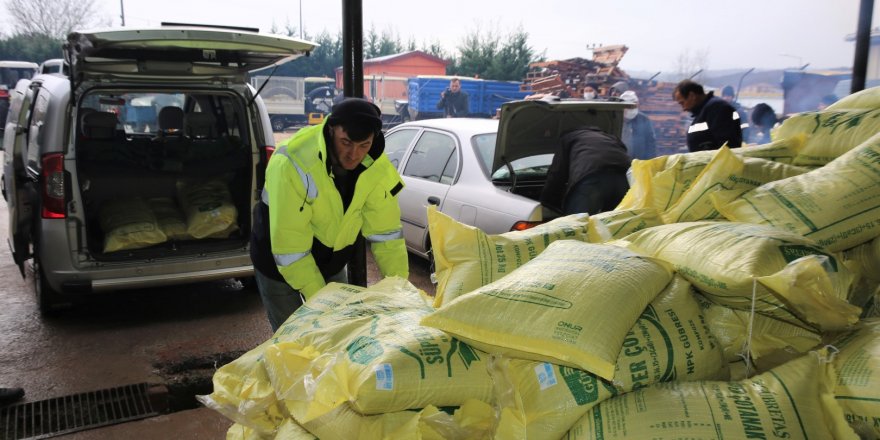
(139, 168)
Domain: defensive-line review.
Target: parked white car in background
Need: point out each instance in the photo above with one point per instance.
(483, 172)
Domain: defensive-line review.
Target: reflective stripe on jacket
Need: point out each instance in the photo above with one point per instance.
(305, 213)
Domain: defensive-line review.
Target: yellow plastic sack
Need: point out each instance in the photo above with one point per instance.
(288, 430)
(571, 305)
(837, 205)
(129, 224)
(858, 381)
(867, 257)
(343, 423)
(610, 225)
(794, 401)
(797, 281)
(471, 421)
(242, 392)
(170, 219)
(830, 132)
(661, 181)
(208, 208)
(868, 98)
(371, 353)
(466, 258)
(670, 341)
(768, 336)
(872, 309)
(640, 193)
(727, 176)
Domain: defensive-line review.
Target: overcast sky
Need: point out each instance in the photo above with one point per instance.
(734, 34)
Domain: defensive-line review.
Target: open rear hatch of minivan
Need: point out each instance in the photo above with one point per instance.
(167, 136)
(178, 50)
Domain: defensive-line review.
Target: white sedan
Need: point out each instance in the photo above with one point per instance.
(483, 172)
(446, 162)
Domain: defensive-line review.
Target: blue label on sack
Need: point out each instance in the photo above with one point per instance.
(546, 376)
(384, 377)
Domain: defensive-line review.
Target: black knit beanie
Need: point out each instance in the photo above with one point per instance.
(356, 111)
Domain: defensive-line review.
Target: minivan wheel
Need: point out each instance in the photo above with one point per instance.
(50, 301)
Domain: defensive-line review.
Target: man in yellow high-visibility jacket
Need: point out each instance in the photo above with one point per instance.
(325, 186)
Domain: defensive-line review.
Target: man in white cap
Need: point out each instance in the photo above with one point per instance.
(638, 131)
(618, 88)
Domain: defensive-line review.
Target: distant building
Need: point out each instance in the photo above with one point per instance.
(385, 77)
(804, 89)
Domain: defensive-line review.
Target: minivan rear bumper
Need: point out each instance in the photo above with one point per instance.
(139, 282)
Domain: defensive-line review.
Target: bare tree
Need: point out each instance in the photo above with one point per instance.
(693, 63)
(55, 18)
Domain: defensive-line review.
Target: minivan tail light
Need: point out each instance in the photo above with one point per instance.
(53, 186)
(4, 93)
(269, 150)
(523, 225)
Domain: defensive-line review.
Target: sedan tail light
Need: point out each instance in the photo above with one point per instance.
(523, 225)
(52, 178)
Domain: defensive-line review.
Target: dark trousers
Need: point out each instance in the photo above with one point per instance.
(598, 192)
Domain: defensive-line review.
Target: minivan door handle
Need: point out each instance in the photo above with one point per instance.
(434, 200)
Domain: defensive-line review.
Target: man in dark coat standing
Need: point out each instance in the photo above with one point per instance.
(454, 101)
(588, 173)
(715, 122)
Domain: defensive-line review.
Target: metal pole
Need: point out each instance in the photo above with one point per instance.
(863, 44)
(122, 11)
(353, 85)
(301, 18)
(352, 48)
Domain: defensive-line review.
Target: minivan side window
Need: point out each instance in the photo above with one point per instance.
(396, 144)
(431, 157)
(35, 134)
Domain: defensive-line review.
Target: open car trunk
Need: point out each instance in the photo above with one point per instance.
(529, 134)
(164, 174)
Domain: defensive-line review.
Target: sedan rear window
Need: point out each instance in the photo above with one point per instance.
(527, 167)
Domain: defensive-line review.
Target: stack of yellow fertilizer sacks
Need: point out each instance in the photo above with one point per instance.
(731, 295)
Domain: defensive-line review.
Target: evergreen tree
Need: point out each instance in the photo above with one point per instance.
(483, 55)
(34, 47)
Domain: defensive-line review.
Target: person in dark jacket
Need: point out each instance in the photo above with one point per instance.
(715, 122)
(764, 119)
(638, 131)
(588, 174)
(729, 94)
(454, 101)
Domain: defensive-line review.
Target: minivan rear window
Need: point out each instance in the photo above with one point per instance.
(9, 76)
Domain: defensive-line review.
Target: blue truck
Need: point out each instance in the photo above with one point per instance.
(485, 96)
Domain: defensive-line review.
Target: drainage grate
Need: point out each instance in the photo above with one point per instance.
(79, 412)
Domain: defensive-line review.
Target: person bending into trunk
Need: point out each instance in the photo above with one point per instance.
(588, 174)
(325, 186)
